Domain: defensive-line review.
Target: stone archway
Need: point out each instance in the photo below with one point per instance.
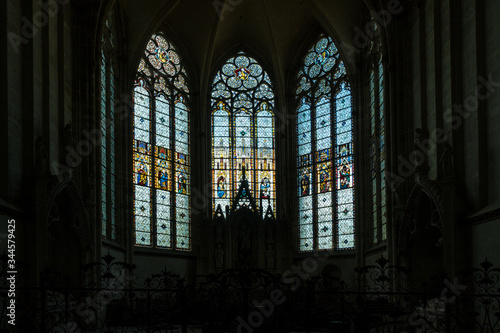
(244, 235)
(68, 243)
(425, 250)
(64, 248)
(421, 237)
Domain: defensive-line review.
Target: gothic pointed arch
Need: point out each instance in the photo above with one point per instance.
(243, 136)
(422, 236)
(161, 148)
(432, 193)
(68, 228)
(325, 150)
(74, 205)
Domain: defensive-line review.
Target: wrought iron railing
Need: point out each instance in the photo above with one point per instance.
(254, 300)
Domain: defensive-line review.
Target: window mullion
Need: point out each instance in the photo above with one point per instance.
(173, 193)
(314, 174)
(333, 184)
(232, 177)
(254, 151)
(153, 164)
(234, 165)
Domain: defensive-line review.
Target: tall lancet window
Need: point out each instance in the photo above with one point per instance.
(243, 134)
(325, 165)
(107, 123)
(161, 161)
(377, 133)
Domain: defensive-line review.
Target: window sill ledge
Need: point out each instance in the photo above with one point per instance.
(322, 254)
(112, 244)
(142, 251)
(376, 248)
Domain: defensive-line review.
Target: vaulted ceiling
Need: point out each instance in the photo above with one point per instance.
(276, 32)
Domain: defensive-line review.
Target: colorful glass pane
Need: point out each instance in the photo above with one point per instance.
(243, 133)
(161, 148)
(324, 148)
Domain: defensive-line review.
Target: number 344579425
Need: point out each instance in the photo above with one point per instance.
(11, 242)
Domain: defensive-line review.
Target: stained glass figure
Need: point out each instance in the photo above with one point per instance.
(324, 151)
(161, 149)
(344, 174)
(182, 188)
(324, 178)
(304, 183)
(142, 172)
(265, 187)
(221, 187)
(242, 73)
(243, 134)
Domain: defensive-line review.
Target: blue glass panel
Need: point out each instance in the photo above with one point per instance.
(344, 126)
(325, 243)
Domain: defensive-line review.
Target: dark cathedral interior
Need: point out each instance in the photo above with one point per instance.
(250, 166)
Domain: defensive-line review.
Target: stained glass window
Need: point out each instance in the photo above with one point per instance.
(377, 135)
(243, 133)
(325, 164)
(107, 124)
(161, 163)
